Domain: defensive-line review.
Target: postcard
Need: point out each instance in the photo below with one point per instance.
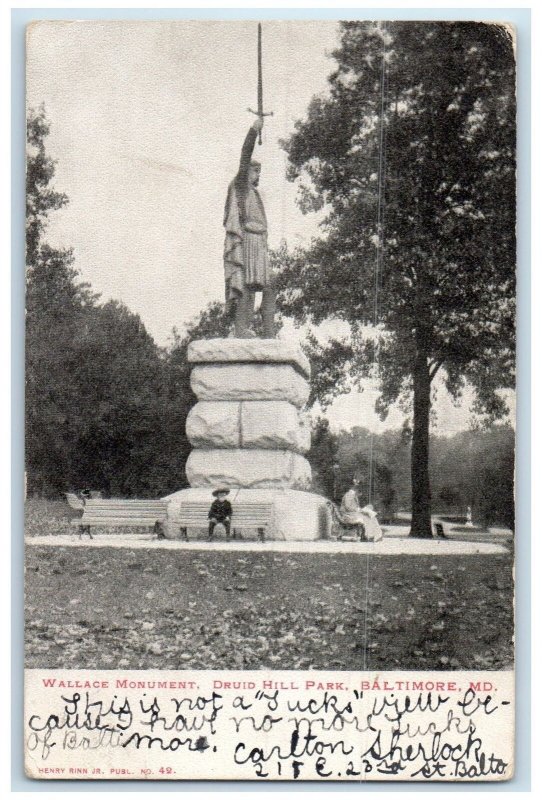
(270, 400)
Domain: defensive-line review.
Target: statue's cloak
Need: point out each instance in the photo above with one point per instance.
(233, 247)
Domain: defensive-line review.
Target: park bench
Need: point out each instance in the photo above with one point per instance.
(245, 516)
(345, 531)
(122, 514)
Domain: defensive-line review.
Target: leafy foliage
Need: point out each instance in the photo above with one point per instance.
(41, 197)
(476, 469)
(322, 458)
(410, 158)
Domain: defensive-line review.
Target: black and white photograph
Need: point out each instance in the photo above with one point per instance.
(270, 368)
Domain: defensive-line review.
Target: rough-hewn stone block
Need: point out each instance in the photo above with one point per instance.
(249, 382)
(274, 426)
(264, 469)
(214, 424)
(266, 351)
(268, 425)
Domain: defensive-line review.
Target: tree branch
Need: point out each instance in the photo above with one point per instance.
(434, 368)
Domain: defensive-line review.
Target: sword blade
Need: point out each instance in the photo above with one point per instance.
(260, 81)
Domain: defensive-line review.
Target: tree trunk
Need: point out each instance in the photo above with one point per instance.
(421, 491)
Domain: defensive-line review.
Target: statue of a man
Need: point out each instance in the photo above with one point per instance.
(246, 262)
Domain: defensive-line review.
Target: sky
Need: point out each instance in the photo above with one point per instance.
(147, 122)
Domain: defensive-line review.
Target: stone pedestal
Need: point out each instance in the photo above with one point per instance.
(296, 516)
(249, 433)
(247, 429)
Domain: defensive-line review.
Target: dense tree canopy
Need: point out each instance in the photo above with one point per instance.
(410, 158)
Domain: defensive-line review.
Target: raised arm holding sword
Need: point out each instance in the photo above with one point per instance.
(246, 262)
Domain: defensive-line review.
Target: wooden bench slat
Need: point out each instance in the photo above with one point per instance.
(127, 503)
(234, 516)
(116, 503)
(207, 506)
(119, 522)
(131, 507)
(249, 506)
(124, 515)
(135, 512)
(237, 523)
(120, 509)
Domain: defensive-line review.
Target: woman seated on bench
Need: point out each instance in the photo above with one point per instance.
(351, 514)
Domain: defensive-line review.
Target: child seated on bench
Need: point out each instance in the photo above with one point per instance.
(220, 511)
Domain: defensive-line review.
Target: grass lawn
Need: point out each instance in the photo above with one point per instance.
(172, 609)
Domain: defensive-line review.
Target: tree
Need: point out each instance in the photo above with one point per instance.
(410, 158)
(41, 197)
(55, 301)
(120, 418)
(322, 458)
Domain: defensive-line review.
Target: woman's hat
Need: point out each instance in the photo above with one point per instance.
(220, 491)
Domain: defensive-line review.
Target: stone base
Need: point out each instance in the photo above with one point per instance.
(297, 516)
(251, 469)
